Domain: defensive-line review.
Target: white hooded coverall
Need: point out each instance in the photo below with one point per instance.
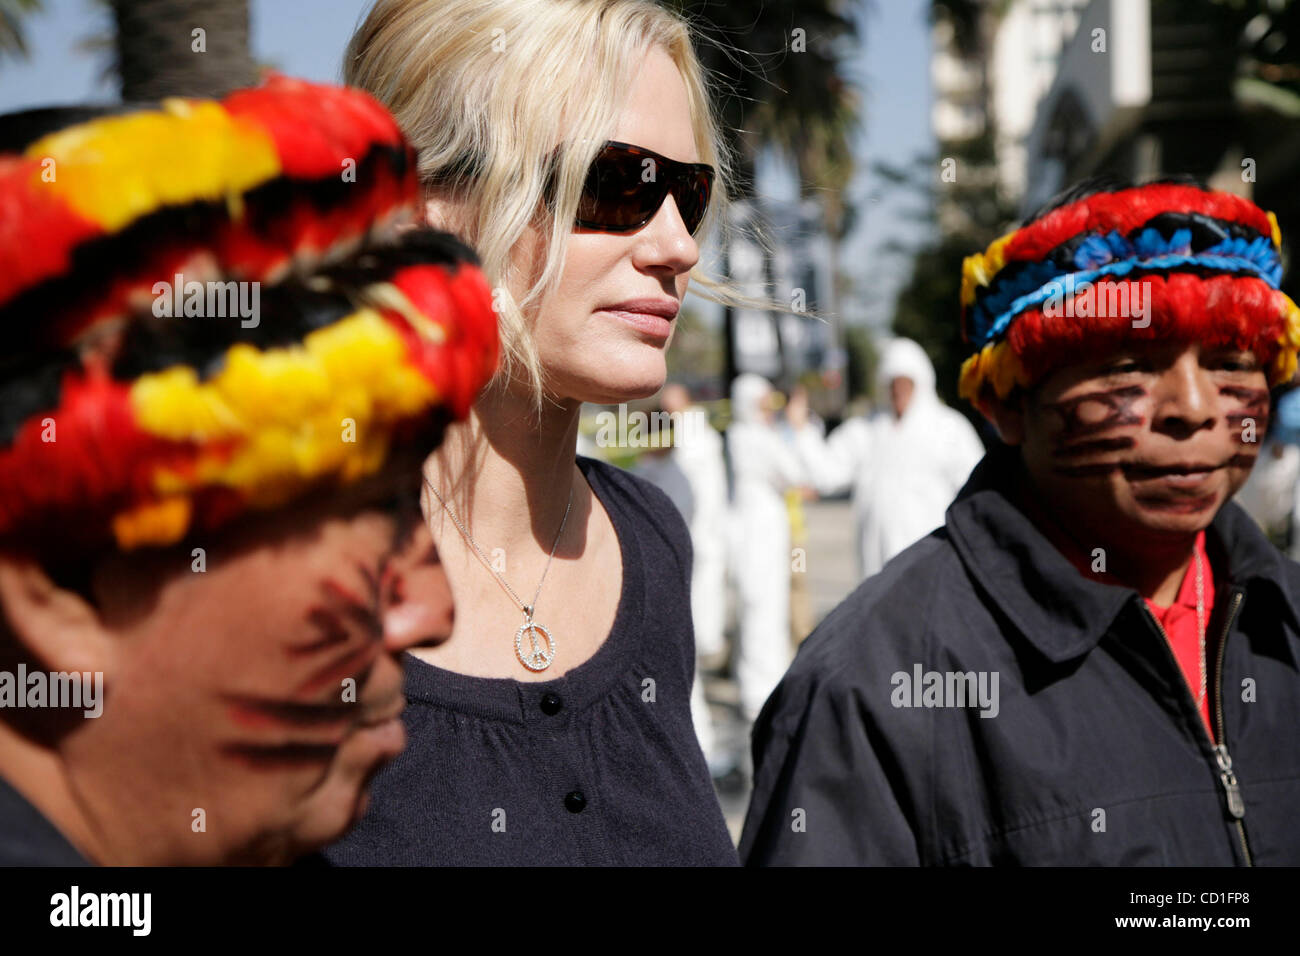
(904, 472)
(763, 467)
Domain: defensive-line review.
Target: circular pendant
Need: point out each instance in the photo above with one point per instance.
(538, 657)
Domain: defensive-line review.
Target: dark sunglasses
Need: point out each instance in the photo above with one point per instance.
(627, 184)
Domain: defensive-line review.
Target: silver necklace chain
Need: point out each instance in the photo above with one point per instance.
(537, 658)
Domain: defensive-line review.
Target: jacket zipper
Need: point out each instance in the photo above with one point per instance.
(1236, 806)
(1223, 760)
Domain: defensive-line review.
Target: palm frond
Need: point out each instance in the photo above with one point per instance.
(13, 40)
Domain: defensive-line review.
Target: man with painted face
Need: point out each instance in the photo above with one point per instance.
(211, 549)
(1094, 661)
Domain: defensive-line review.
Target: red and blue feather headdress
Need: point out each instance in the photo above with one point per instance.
(1205, 264)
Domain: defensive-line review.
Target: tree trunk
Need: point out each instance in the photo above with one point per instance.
(182, 48)
(729, 366)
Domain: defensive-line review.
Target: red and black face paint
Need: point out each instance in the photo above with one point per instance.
(1089, 423)
(1247, 421)
(308, 724)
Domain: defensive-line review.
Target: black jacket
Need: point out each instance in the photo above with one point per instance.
(1096, 754)
(27, 838)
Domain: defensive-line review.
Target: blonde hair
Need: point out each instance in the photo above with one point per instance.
(498, 96)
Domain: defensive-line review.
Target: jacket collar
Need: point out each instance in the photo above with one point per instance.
(1059, 611)
(27, 838)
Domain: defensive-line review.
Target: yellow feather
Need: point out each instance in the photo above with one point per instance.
(297, 414)
(117, 169)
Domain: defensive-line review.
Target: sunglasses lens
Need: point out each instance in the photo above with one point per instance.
(615, 197)
(692, 197)
(625, 188)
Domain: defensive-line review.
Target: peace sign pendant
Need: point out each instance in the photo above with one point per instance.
(539, 657)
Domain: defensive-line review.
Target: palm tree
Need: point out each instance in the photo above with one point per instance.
(13, 42)
(782, 90)
(181, 47)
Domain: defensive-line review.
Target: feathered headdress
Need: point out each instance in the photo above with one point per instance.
(207, 310)
(1164, 261)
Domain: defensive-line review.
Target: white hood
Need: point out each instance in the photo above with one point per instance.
(747, 394)
(904, 358)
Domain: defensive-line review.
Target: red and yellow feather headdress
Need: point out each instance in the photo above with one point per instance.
(126, 421)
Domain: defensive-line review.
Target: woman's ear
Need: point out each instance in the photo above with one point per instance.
(55, 626)
(440, 210)
(1007, 415)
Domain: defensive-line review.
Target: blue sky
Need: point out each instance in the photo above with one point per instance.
(306, 38)
(301, 37)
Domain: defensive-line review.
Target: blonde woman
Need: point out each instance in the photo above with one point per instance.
(571, 143)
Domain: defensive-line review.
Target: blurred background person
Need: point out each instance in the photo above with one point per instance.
(658, 465)
(763, 467)
(904, 463)
(1269, 496)
(698, 452)
(802, 616)
(691, 469)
